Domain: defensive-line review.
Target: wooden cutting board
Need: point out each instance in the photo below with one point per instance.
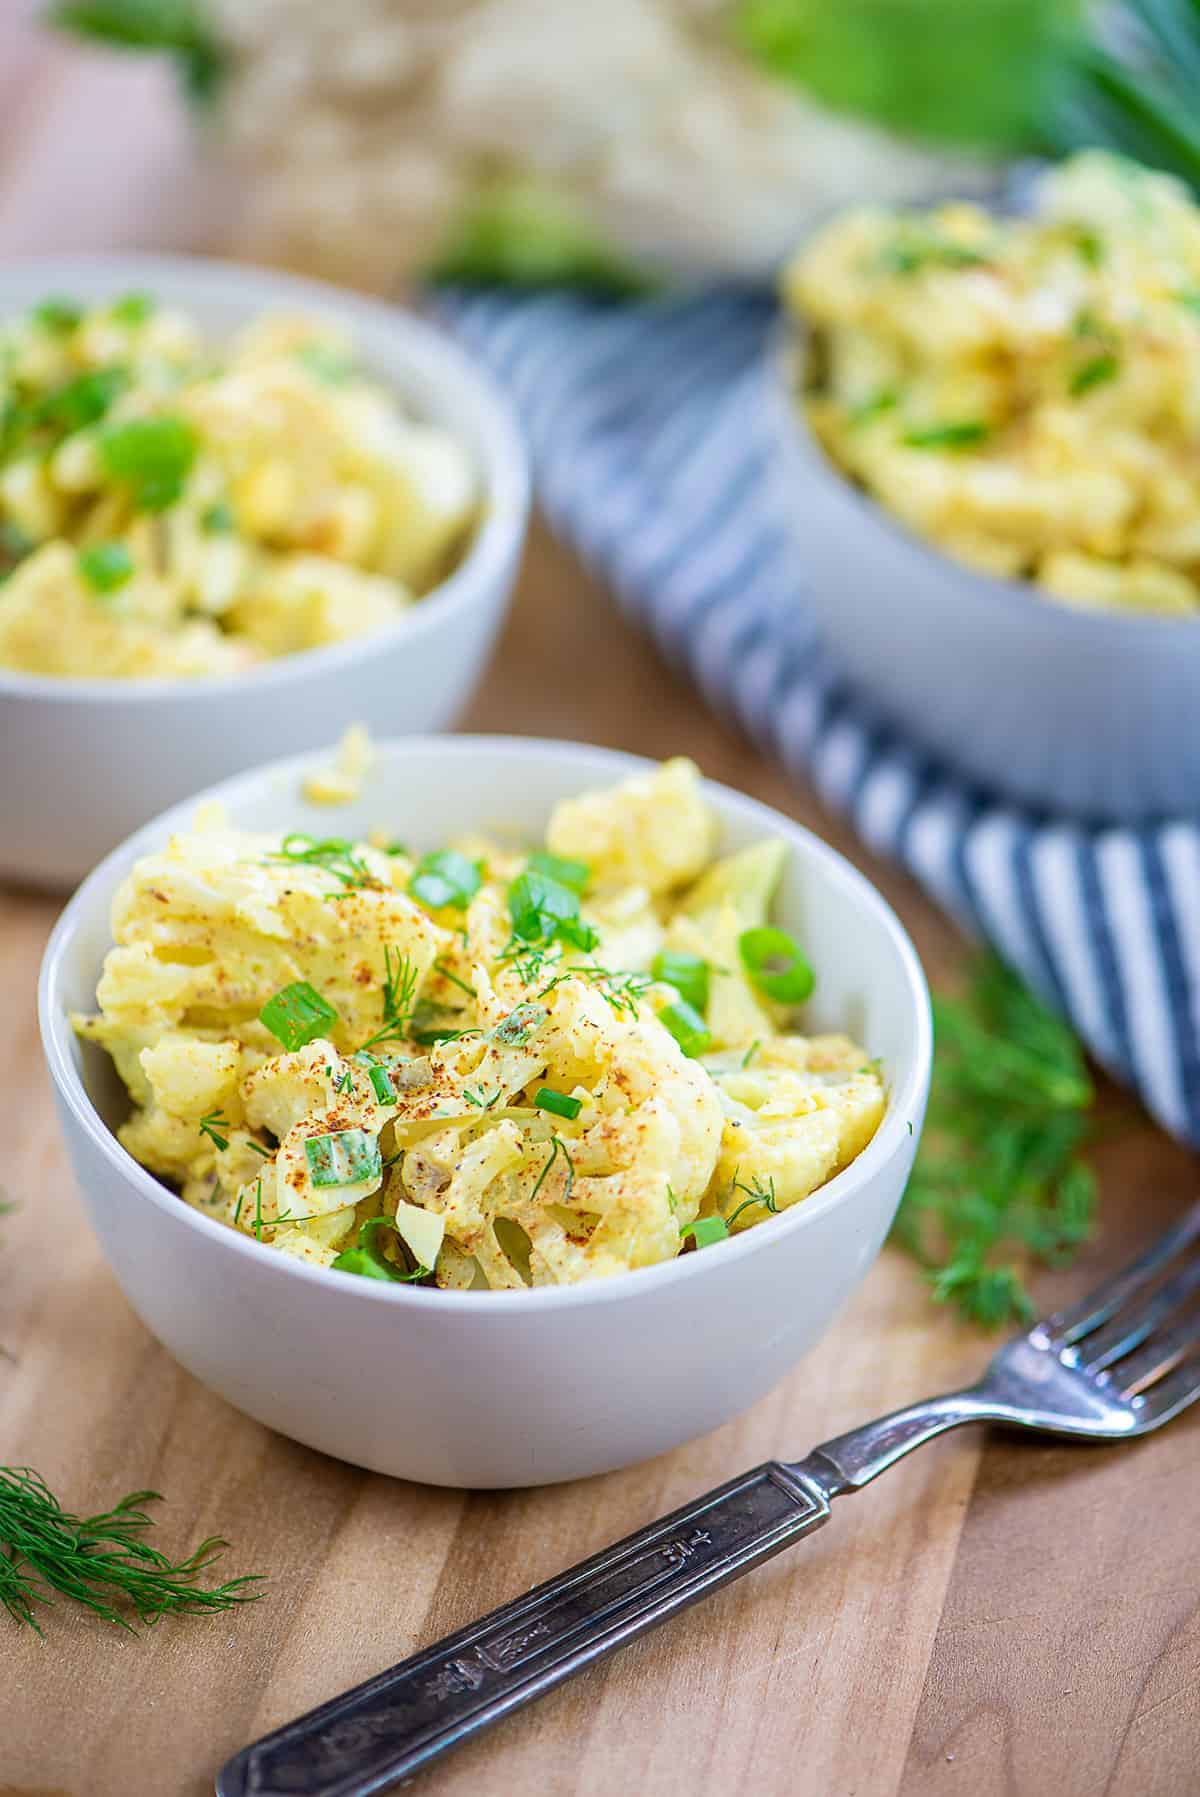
(992, 1618)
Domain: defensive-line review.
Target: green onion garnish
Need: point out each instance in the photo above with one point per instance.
(105, 566)
(543, 908)
(79, 402)
(132, 308)
(559, 1104)
(687, 973)
(344, 1157)
(1094, 373)
(775, 965)
(575, 874)
(152, 456)
(445, 878)
(368, 1260)
(297, 1014)
(58, 316)
(380, 1078)
(705, 1231)
(687, 1026)
(217, 519)
(961, 435)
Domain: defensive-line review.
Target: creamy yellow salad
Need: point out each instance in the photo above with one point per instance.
(479, 1066)
(174, 507)
(1024, 392)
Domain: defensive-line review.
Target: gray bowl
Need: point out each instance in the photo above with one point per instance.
(1088, 712)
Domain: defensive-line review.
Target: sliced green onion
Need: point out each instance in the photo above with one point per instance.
(515, 1030)
(687, 1026)
(542, 908)
(58, 316)
(445, 878)
(559, 1104)
(217, 519)
(575, 874)
(367, 1259)
(106, 566)
(132, 308)
(704, 1231)
(396, 847)
(687, 973)
(152, 456)
(1094, 373)
(964, 434)
(775, 964)
(81, 401)
(344, 1157)
(297, 1014)
(380, 1078)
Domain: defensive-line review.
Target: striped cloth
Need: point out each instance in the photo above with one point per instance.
(645, 427)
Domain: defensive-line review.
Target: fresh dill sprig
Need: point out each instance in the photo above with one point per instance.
(756, 1193)
(332, 854)
(557, 1147)
(448, 974)
(213, 1127)
(400, 982)
(476, 1097)
(999, 1182)
(624, 991)
(102, 1562)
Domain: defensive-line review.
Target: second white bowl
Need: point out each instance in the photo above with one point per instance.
(84, 762)
(499, 1388)
(1080, 711)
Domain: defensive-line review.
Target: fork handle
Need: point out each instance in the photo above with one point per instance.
(384, 1730)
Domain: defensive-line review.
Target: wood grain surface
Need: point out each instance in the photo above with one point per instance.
(992, 1620)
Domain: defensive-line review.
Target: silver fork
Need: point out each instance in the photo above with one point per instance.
(1122, 1362)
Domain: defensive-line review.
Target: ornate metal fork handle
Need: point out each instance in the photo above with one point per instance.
(1122, 1362)
(389, 1727)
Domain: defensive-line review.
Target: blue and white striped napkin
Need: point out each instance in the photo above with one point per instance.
(649, 448)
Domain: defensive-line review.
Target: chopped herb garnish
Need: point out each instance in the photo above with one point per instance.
(79, 402)
(368, 1259)
(544, 910)
(106, 566)
(557, 1147)
(132, 308)
(875, 407)
(687, 973)
(687, 1026)
(218, 519)
(476, 1097)
(334, 855)
(755, 1194)
(259, 1149)
(963, 434)
(297, 1014)
(775, 965)
(575, 874)
(750, 1054)
(1089, 245)
(102, 1562)
(1095, 373)
(999, 1181)
(908, 256)
(345, 1084)
(343, 1157)
(396, 847)
(559, 1104)
(212, 1126)
(58, 316)
(400, 982)
(705, 1231)
(448, 974)
(237, 1214)
(152, 456)
(380, 1078)
(445, 878)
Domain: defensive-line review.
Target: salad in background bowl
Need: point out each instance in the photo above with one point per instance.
(248, 548)
(984, 430)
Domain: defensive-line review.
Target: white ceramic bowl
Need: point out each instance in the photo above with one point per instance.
(84, 762)
(1073, 710)
(496, 1388)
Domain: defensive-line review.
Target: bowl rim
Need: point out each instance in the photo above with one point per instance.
(786, 345)
(906, 1097)
(503, 467)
